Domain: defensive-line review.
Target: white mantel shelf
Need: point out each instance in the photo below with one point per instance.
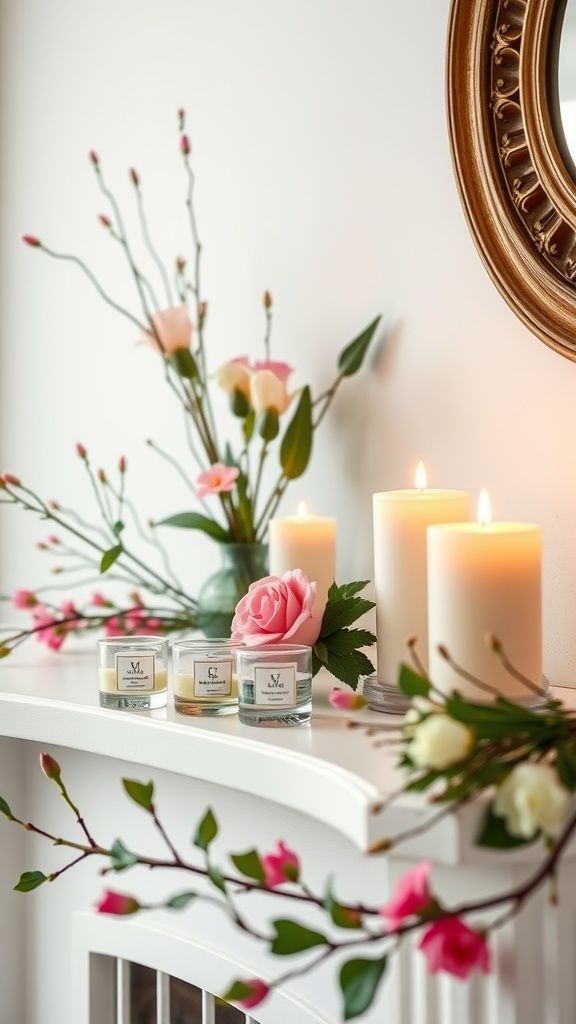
(325, 770)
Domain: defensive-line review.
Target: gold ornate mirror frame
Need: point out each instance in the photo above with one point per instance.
(516, 180)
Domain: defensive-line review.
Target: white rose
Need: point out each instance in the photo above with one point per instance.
(440, 741)
(532, 798)
(421, 707)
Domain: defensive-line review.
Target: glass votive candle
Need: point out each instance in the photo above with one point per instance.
(274, 685)
(204, 677)
(133, 672)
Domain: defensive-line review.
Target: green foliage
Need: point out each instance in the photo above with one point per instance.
(207, 831)
(352, 357)
(344, 607)
(181, 900)
(412, 684)
(268, 424)
(118, 527)
(237, 991)
(296, 446)
(30, 880)
(565, 764)
(184, 363)
(121, 858)
(196, 521)
(343, 917)
(359, 980)
(494, 834)
(292, 937)
(141, 793)
(337, 646)
(109, 557)
(249, 865)
(4, 808)
(216, 877)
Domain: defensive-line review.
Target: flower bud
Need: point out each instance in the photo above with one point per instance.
(101, 476)
(122, 465)
(117, 903)
(134, 178)
(93, 157)
(104, 220)
(4, 651)
(32, 241)
(202, 310)
(185, 145)
(345, 701)
(267, 300)
(81, 451)
(180, 264)
(49, 766)
(53, 505)
(181, 119)
(10, 479)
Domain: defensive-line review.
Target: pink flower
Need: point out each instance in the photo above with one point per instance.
(24, 599)
(276, 610)
(153, 626)
(411, 896)
(268, 388)
(280, 370)
(174, 329)
(99, 601)
(280, 867)
(216, 479)
(49, 631)
(345, 701)
(259, 991)
(117, 903)
(450, 945)
(235, 376)
(113, 626)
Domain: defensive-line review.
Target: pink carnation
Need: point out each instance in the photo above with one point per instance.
(278, 610)
(450, 945)
(280, 867)
(411, 896)
(216, 479)
(117, 903)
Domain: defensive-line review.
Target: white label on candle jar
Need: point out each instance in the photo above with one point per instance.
(213, 678)
(275, 685)
(135, 672)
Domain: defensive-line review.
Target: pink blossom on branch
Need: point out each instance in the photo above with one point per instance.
(450, 945)
(174, 329)
(411, 896)
(216, 479)
(280, 867)
(278, 610)
(24, 599)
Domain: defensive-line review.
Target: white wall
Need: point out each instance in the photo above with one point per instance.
(324, 175)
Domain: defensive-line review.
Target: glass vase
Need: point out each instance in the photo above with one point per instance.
(242, 564)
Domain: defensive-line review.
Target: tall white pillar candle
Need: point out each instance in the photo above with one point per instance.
(400, 521)
(305, 542)
(485, 578)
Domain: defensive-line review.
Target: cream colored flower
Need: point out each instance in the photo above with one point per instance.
(235, 376)
(532, 798)
(440, 741)
(268, 391)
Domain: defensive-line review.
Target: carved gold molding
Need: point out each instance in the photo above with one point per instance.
(513, 173)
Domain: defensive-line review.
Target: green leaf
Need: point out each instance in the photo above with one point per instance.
(207, 831)
(348, 589)
(351, 358)
(316, 663)
(359, 980)
(30, 880)
(141, 793)
(321, 651)
(345, 640)
(493, 834)
(184, 363)
(493, 721)
(238, 990)
(248, 426)
(412, 684)
(349, 667)
(181, 900)
(343, 917)
(121, 858)
(216, 877)
(566, 764)
(118, 527)
(196, 521)
(296, 446)
(269, 424)
(109, 557)
(4, 809)
(239, 404)
(292, 937)
(343, 607)
(249, 865)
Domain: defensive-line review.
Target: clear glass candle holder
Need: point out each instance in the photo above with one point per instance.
(274, 685)
(204, 676)
(133, 672)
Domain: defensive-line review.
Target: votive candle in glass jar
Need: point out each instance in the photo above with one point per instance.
(133, 672)
(204, 675)
(274, 685)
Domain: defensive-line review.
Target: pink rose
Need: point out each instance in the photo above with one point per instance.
(280, 867)
(411, 896)
(216, 479)
(278, 610)
(174, 329)
(450, 945)
(117, 903)
(346, 701)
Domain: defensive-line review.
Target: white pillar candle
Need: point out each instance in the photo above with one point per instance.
(305, 542)
(485, 578)
(400, 521)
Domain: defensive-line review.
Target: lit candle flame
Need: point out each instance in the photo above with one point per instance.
(484, 508)
(420, 476)
(302, 510)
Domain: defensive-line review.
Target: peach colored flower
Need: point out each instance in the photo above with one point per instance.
(235, 376)
(278, 610)
(216, 479)
(280, 867)
(269, 391)
(411, 896)
(174, 329)
(450, 945)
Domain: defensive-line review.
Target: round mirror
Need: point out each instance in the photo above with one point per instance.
(511, 66)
